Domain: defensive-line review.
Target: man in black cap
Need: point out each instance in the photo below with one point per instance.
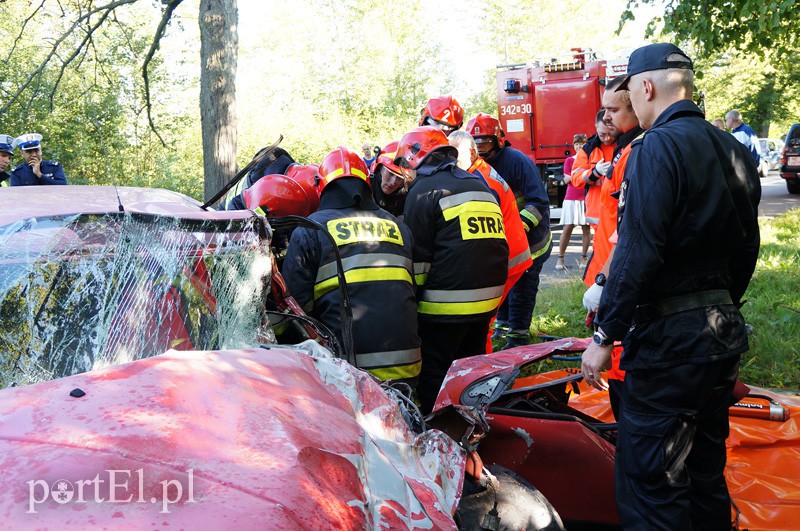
(688, 244)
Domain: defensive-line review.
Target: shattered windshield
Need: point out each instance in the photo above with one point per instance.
(81, 292)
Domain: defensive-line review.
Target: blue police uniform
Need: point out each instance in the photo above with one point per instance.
(522, 176)
(52, 173)
(688, 244)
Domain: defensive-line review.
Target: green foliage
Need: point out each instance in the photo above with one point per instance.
(90, 111)
(755, 26)
(772, 308)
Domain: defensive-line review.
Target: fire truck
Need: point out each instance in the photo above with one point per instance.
(542, 105)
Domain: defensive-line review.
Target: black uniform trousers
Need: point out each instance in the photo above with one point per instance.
(671, 454)
(442, 343)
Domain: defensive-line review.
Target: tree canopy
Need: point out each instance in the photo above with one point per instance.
(742, 49)
(325, 73)
(761, 27)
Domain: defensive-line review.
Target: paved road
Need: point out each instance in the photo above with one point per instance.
(775, 199)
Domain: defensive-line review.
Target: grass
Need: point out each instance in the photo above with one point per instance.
(772, 308)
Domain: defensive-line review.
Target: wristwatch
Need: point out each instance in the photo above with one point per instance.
(600, 279)
(601, 339)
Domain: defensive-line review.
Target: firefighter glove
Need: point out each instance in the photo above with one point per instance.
(602, 167)
(591, 299)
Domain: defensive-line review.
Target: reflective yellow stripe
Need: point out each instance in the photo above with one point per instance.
(463, 295)
(471, 207)
(520, 258)
(260, 211)
(363, 260)
(460, 301)
(458, 308)
(397, 373)
(363, 275)
(421, 270)
(543, 249)
(454, 200)
(525, 213)
(339, 171)
(388, 358)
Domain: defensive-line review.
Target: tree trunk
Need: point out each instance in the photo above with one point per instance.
(219, 43)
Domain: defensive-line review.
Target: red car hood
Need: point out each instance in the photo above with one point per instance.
(468, 371)
(241, 439)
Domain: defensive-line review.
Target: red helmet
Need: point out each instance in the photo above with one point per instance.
(418, 143)
(486, 125)
(445, 110)
(307, 176)
(342, 162)
(386, 158)
(277, 195)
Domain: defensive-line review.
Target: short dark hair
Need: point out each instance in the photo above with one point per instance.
(600, 115)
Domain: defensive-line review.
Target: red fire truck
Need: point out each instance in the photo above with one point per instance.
(542, 105)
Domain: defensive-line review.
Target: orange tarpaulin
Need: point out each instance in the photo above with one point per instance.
(763, 469)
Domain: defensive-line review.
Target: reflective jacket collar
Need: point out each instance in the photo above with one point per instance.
(347, 192)
(430, 170)
(626, 138)
(676, 110)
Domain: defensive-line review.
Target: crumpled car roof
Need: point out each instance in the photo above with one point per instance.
(275, 438)
(37, 201)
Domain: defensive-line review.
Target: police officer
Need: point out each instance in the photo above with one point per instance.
(375, 250)
(522, 176)
(6, 152)
(35, 171)
(460, 254)
(688, 245)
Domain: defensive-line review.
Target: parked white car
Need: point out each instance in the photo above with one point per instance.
(770, 149)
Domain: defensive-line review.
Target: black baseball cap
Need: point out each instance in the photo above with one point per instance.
(653, 57)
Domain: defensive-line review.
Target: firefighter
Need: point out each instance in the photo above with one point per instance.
(590, 167)
(442, 112)
(375, 250)
(6, 152)
(523, 178)
(35, 171)
(619, 114)
(688, 245)
(460, 254)
(519, 254)
(389, 186)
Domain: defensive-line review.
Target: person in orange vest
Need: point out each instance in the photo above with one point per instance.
(519, 253)
(591, 164)
(619, 113)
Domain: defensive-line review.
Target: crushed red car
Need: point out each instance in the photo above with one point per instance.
(99, 427)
